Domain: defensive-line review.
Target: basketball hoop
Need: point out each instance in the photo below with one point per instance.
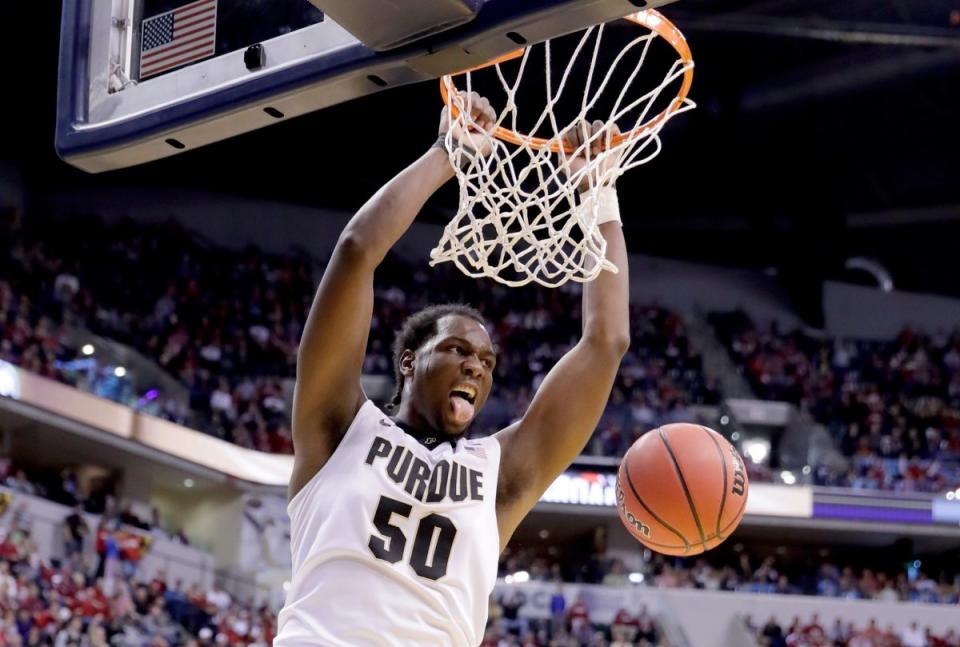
(521, 217)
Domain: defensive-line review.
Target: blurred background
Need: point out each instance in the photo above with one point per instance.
(794, 286)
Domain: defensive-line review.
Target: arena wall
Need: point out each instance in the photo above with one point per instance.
(857, 311)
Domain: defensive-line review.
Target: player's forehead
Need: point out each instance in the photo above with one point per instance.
(465, 328)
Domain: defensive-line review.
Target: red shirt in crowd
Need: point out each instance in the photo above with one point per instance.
(625, 618)
(579, 613)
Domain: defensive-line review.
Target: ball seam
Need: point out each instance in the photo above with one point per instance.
(683, 485)
(653, 514)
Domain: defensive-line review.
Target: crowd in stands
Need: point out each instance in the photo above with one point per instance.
(85, 592)
(94, 497)
(90, 594)
(572, 626)
(841, 633)
(67, 602)
(227, 324)
(893, 407)
(587, 561)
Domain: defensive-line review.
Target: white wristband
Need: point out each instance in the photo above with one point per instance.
(608, 205)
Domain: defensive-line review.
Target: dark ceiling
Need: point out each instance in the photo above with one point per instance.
(824, 130)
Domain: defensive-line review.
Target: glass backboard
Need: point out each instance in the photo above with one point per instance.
(145, 79)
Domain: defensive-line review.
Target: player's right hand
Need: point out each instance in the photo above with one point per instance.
(590, 142)
(476, 130)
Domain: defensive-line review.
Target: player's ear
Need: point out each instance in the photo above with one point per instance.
(407, 359)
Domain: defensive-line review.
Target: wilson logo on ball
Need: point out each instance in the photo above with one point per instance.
(739, 477)
(640, 527)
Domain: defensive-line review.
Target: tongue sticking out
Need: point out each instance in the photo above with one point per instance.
(462, 410)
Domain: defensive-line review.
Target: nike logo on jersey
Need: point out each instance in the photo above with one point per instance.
(447, 480)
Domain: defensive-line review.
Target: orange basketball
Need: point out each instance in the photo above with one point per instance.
(682, 489)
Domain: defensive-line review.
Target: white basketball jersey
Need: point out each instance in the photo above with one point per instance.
(393, 543)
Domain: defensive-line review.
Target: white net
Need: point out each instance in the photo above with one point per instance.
(521, 217)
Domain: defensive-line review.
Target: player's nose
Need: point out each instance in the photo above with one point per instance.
(472, 366)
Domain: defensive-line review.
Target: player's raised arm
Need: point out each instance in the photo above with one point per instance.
(568, 405)
(330, 358)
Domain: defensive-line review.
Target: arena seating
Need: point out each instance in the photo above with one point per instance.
(67, 599)
(102, 590)
(227, 325)
(812, 633)
(893, 406)
(573, 626)
(736, 571)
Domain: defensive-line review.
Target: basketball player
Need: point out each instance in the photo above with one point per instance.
(397, 521)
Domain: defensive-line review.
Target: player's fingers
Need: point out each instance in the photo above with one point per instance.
(475, 102)
(484, 113)
(613, 134)
(577, 136)
(597, 139)
(476, 109)
(489, 122)
(491, 114)
(581, 134)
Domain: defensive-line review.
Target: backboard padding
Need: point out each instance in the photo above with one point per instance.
(385, 25)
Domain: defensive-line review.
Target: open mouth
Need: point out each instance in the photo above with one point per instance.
(462, 397)
(465, 391)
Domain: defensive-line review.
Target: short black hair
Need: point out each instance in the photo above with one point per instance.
(418, 328)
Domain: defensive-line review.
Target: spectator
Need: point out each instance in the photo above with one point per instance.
(20, 483)
(75, 530)
(218, 598)
(511, 604)
(71, 635)
(624, 628)
(913, 636)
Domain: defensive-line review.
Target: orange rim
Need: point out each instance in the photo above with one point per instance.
(649, 18)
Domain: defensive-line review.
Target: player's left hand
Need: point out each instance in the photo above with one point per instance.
(596, 140)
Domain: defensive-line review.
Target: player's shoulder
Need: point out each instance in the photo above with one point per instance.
(370, 414)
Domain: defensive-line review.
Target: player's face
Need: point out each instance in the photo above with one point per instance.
(453, 374)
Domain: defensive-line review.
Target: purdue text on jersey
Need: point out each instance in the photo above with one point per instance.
(445, 480)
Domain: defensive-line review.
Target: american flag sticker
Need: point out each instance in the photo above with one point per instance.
(475, 447)
(175, 38)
